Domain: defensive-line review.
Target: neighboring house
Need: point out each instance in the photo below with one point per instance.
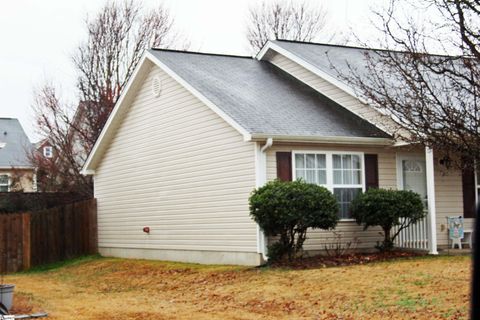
(193, 134)
(44, 149)
(16, 172)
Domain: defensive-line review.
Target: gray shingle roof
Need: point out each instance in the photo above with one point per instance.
(263, 99)
(14, 144)
(331, 59)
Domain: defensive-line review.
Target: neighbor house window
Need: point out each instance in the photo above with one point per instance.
(4, 183)
(341, 173)
(47, 152)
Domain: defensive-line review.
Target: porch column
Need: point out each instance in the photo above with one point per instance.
(432, 215)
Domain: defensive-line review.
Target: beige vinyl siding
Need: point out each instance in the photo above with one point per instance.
(448, 193)
(178, 168)
(331, 91)
(449, 200)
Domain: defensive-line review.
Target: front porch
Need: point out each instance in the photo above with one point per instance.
(409, 167)
(445, 197)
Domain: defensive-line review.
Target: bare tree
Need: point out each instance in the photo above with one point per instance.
(288, 20)
(116, 38)
(433, 99)
(54, 121)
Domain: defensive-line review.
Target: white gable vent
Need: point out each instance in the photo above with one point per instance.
(156, 86)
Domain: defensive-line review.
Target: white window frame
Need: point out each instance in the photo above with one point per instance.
(45, 152)
(329, 169)
(8, 180)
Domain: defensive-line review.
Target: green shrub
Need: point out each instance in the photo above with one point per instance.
(288, 209)
(387, 209)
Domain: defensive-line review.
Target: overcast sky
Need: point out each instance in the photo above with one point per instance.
(39, 38)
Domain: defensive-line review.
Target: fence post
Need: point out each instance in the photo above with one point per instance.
(26, 240)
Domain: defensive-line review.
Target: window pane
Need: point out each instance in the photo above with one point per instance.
(321, 161)
(337, 176)
(299, 158)
(300, 174)
(347, 161)
(344, 197)
(3, 179)
(311, 176)
(337, 161)
(347, 176)
(3, 188)
(355, 162)
(322, 176)
(311, 161)
(356, 177)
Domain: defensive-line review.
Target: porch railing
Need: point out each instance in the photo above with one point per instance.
(414, 236)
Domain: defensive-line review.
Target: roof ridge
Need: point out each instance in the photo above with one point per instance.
(364, 48)
(203, 53)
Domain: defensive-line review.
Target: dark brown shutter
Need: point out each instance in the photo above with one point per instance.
(371, 171)
(284, 166)
(469, 189)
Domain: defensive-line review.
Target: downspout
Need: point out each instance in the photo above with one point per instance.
(267, 145)
(260, 181)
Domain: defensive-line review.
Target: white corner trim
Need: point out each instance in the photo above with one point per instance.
(326, 76)
(201, 97)
(87, 170)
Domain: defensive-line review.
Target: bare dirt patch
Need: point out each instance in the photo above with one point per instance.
(322, 261)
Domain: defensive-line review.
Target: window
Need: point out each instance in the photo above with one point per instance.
(4, 183)
(341, 173)
(47, 152)
(311, 168)
(347, 180)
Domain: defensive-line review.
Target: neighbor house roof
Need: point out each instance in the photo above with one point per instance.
(14, 144)
(263, 99)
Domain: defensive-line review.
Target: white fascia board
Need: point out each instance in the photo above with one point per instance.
(326, 139)
(246, 135)
(87, 170)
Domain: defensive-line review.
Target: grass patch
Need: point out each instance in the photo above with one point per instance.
(109, 288)
(61, 264)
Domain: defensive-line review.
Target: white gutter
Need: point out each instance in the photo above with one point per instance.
(325, 139)
(260, 180)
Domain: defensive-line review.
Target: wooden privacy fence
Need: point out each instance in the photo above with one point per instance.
(35, 238)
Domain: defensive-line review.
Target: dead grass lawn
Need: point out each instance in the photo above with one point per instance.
(104, 288)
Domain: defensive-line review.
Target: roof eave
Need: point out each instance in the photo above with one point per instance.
(325, 139)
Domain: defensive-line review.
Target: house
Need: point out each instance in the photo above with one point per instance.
(44, 149)
(16, 171)
(193, 134)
